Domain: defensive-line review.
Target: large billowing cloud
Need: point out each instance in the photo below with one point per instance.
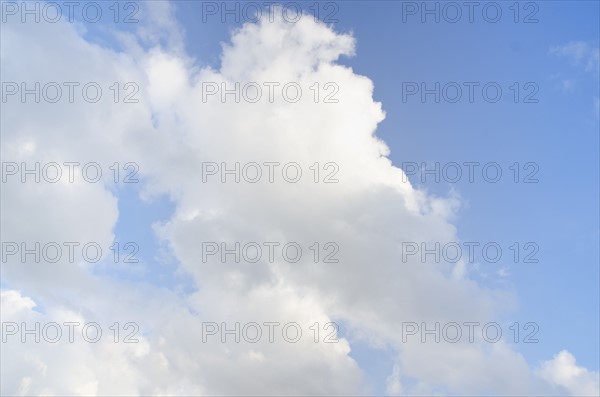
(173, 133)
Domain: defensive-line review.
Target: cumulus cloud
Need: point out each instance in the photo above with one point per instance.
(172, 133)
(563, 371)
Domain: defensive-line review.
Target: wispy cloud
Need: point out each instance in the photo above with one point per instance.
(580, 53)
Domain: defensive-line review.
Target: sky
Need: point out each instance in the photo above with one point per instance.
(404, 87)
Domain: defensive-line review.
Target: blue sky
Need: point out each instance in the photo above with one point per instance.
(558, 134)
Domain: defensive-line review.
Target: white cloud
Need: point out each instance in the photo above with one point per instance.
(580, 53)
(394, 385)
(170, 133)
(563, 371)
